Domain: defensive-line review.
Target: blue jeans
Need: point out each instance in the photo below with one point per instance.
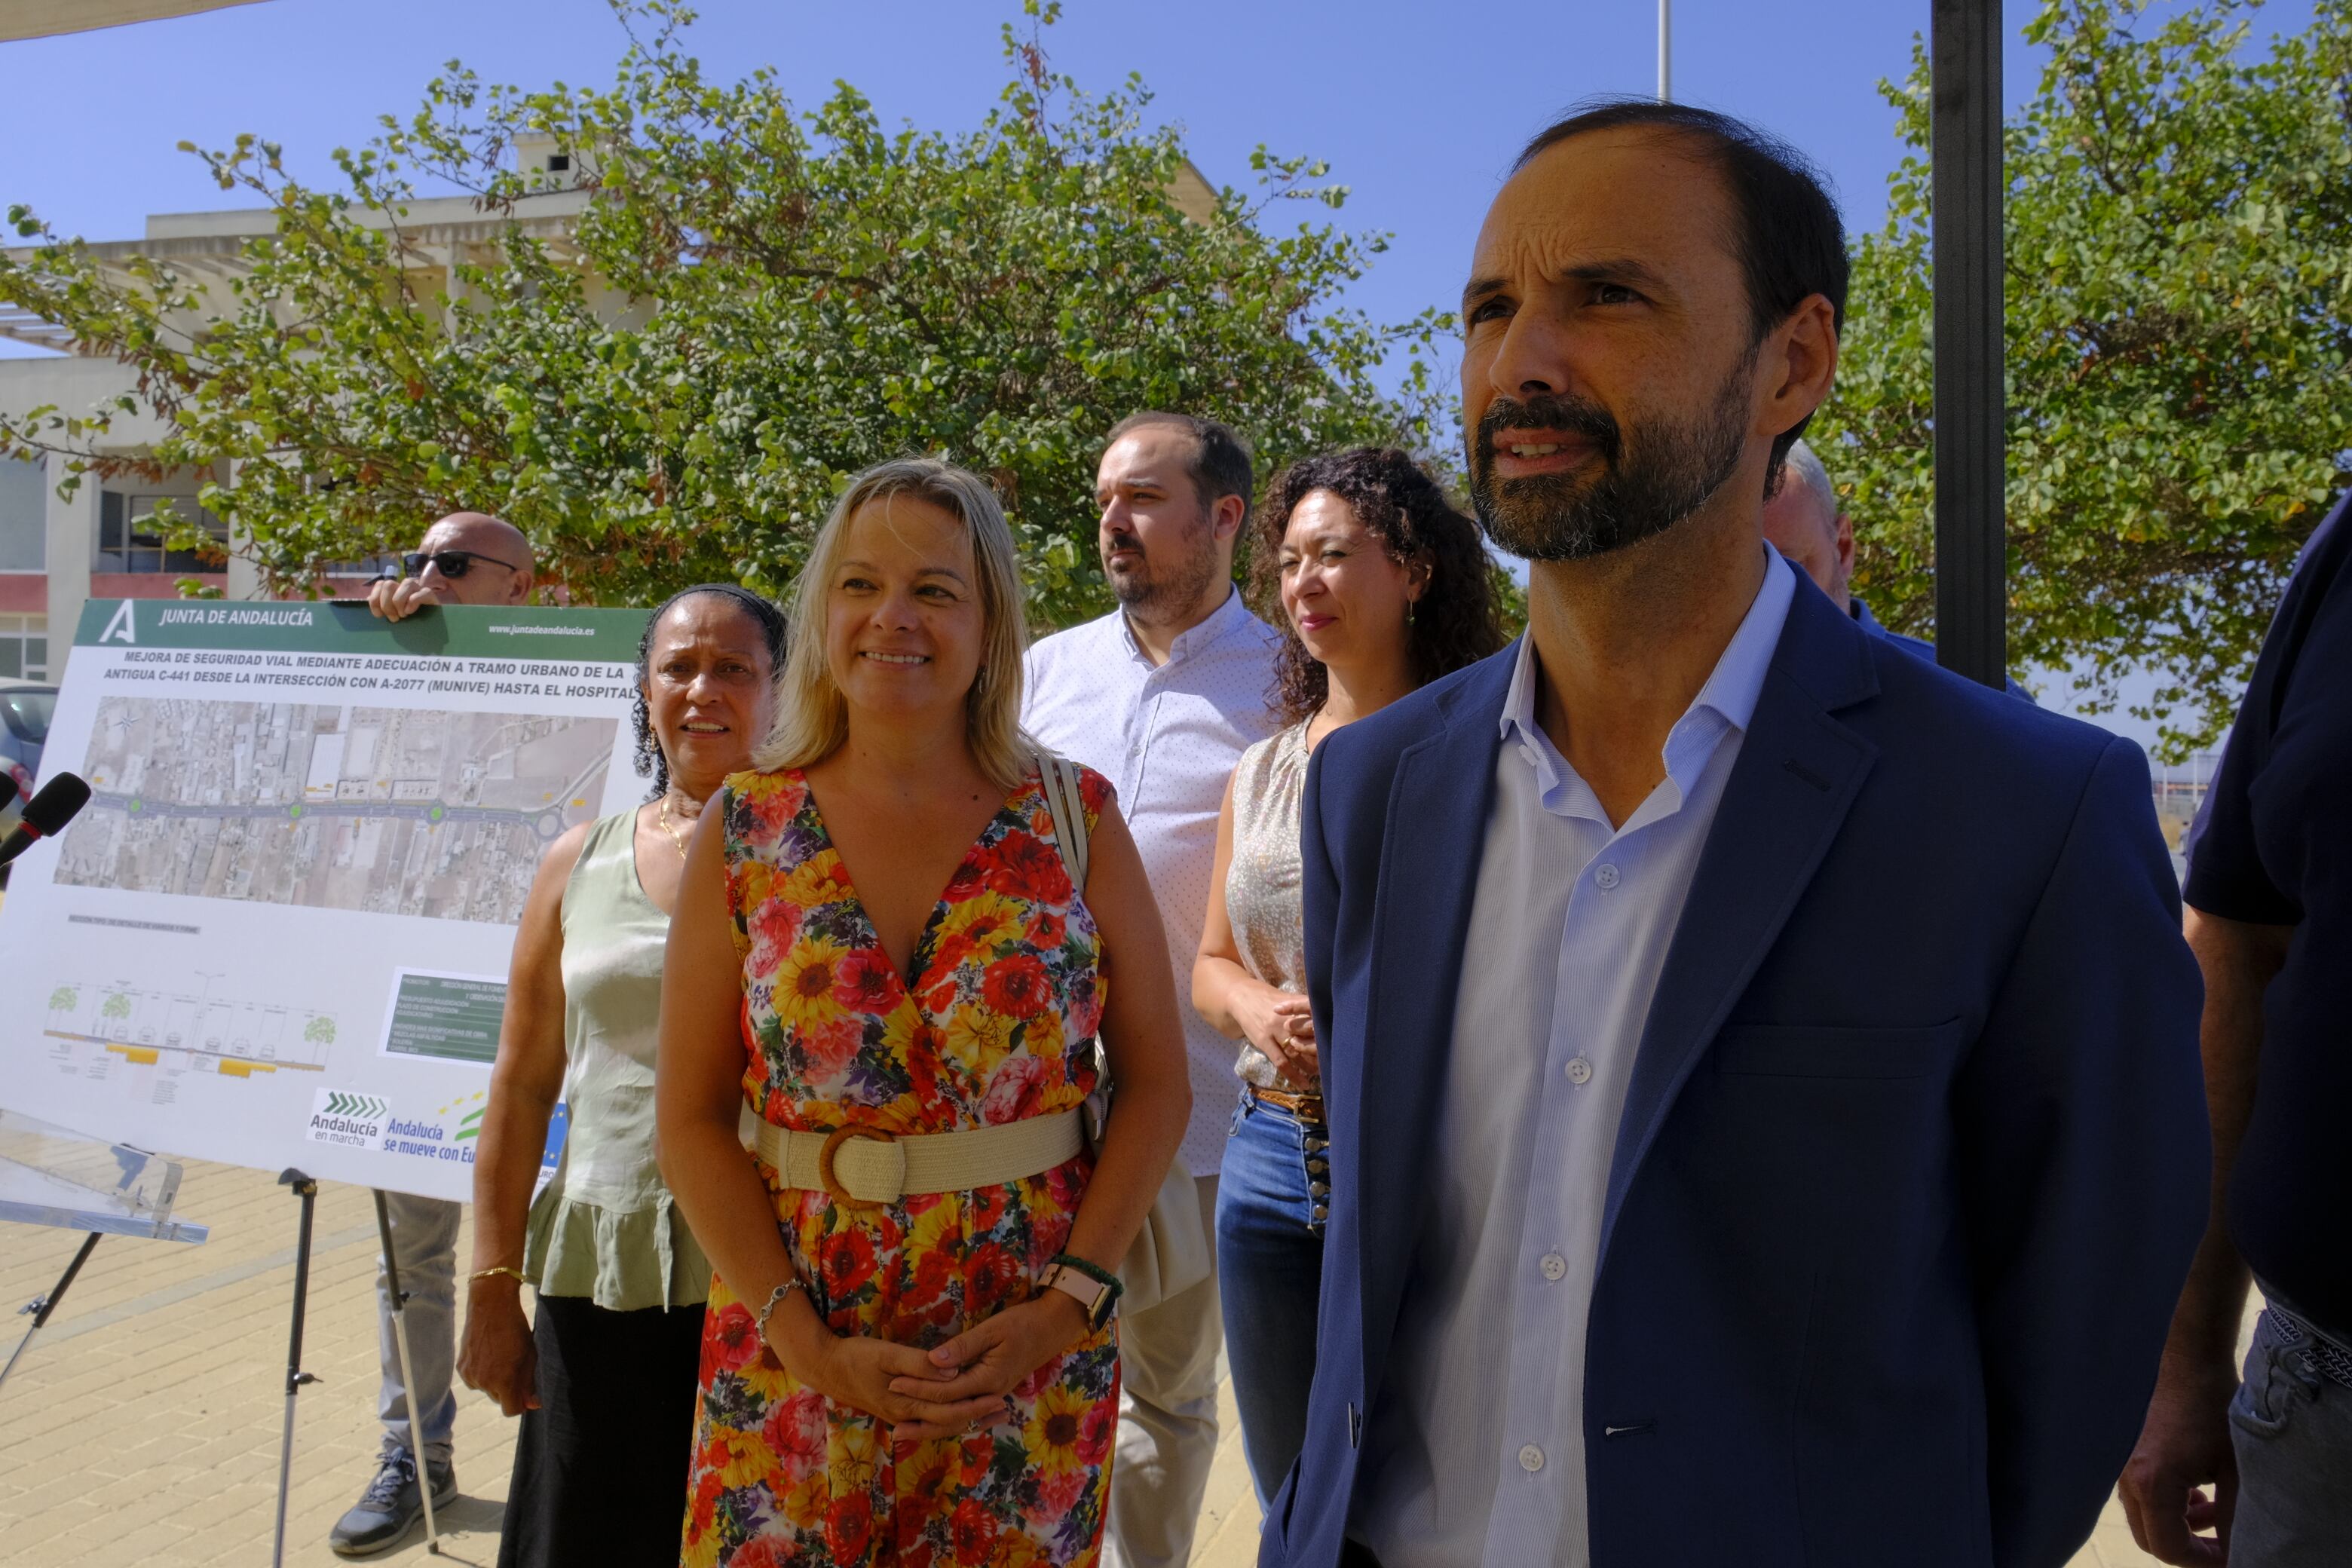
(2291, 1425)
(1270, 1256)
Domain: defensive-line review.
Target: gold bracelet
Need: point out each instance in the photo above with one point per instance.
(478, 1275)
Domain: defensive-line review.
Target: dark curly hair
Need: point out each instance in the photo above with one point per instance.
(650, 760)
(1454, 624)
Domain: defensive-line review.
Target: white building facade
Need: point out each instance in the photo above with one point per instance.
(57, 554)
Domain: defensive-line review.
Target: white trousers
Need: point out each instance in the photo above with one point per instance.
(1167, 1419)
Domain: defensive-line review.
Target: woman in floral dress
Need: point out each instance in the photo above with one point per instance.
(878, 947)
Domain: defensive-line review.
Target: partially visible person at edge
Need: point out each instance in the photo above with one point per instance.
(1383, 587)
(1765, 1062)
(1804, 521)
(2270, 918)
(910, 1354)
(467, 558)
(604, 1380)
(1162, 696)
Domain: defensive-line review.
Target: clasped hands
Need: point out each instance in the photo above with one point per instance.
(944, 1392)
(1282, 1025)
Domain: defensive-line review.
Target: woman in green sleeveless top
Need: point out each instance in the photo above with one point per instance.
(604, 1380)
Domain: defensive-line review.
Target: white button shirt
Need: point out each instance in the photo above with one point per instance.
(1167, 736)
(1474, 1454)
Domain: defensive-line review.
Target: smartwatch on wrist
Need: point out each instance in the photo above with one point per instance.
(1095, 1288)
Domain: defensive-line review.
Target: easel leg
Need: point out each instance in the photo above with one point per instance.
(307, 1189)
(407, 1371)
(42, 1306)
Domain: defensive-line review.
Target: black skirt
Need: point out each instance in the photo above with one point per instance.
(599, 1466)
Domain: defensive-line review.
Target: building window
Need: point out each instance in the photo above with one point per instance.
(129, 541)
(24, 648)
(24, 515)
(559, 163)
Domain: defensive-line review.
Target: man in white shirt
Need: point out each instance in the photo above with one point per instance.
(1162, 697)
(1768, 1062)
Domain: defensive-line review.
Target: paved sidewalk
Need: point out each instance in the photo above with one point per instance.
(142, 1426)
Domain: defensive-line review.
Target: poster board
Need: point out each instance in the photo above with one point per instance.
(279, 933)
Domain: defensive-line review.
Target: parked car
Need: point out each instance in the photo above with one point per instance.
(25, 710)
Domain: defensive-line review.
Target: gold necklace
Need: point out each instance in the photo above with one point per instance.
(676, 842)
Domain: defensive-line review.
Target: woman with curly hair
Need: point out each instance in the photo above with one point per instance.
(1383, 587)
(900, 936)
(604, 1380)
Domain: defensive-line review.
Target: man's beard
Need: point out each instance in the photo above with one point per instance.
(1673, 468)
(1166, 585)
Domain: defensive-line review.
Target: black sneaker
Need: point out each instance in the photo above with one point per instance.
(390, 1506)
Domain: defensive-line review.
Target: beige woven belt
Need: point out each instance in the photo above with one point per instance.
(866, 1167)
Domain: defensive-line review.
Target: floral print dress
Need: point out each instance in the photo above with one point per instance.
(987, 1028)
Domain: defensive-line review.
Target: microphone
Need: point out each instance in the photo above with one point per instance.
(8, 791)
(46, 813)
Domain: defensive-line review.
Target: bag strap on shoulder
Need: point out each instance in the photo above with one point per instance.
(1068, 804)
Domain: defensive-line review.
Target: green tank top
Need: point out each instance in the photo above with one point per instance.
(605, 1226)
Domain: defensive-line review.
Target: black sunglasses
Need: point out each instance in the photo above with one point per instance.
(453, 563)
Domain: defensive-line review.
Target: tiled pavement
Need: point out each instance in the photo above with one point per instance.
(142, 1426)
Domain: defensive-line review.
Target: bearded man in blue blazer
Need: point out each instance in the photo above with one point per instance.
(1761, 1066)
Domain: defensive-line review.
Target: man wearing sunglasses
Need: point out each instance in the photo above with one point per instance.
(467, 558)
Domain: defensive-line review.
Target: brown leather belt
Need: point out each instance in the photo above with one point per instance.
(1307, 1106)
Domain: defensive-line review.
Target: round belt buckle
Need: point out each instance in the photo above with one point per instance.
(833, 1143)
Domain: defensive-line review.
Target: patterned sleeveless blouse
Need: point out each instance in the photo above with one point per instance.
(1262, 880)
(985, 1028)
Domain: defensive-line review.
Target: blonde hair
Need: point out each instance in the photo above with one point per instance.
(813, 719)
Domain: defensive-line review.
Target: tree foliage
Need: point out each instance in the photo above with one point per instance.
(806, 293)
(2179, 318)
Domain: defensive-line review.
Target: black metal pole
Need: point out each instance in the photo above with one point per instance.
(42, 1307)
(307, 1189)
(1971, 586)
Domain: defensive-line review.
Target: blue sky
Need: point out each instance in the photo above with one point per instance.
(1418, 106)
(1415, 110)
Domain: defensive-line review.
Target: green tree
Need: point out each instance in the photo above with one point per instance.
(319, 1030)
(117, 1006)
(2179, 316)
(809, 293)
(64, 999)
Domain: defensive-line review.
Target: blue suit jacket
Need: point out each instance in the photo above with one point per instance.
(1915, 1152)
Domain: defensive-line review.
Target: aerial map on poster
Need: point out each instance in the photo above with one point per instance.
(395, 811)
(277, 935)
